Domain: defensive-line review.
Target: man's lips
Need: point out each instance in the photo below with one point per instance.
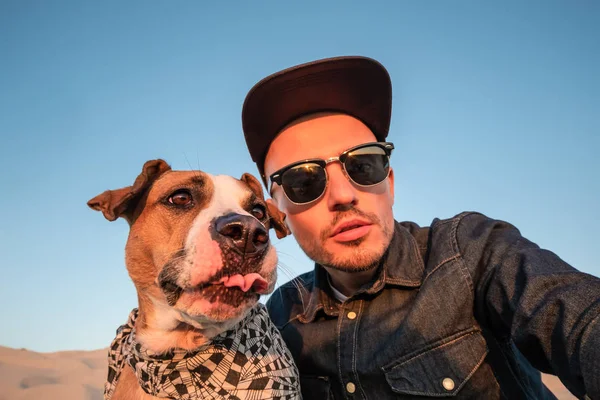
(351, 230)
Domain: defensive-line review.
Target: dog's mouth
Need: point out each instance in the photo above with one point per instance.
(249, 282)
(232, 290)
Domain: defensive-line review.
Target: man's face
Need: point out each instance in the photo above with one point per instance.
(315, 224)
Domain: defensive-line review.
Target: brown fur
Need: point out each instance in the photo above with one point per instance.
(128, 388)
(277, 217)
(157, 232)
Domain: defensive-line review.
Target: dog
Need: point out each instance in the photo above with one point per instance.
(199, 255)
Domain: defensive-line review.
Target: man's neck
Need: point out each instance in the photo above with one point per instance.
(348, 283)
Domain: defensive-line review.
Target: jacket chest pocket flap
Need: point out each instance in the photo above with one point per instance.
(441, 371)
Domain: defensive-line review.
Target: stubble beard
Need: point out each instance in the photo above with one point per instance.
(356, 256)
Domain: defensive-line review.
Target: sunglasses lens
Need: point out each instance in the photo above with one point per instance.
(368, 165)
(304, 183)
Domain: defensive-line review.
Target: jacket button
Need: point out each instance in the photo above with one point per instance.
(351, 315)
(350, 387)
(448, 384)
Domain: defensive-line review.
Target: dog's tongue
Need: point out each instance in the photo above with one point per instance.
(245, 282)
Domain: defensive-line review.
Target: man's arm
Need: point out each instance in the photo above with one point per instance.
(550, 310)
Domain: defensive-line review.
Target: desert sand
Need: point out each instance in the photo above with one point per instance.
(79, 375)
(68, 375)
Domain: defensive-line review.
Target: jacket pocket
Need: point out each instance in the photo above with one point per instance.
(315, 387)
(441, 371)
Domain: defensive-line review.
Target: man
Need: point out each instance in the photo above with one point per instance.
(466, 307)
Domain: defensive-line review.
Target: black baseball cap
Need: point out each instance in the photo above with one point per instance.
(353, 85)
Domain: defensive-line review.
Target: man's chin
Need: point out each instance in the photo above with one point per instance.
(351, 266)
(352, 260)
(354, 256)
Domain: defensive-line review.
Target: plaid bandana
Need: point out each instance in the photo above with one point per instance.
(249, 362)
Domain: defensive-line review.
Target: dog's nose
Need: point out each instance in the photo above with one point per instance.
(246, 233)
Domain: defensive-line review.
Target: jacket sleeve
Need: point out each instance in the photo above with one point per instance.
(550, 310)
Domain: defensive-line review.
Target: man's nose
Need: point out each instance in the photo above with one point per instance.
(341, 192)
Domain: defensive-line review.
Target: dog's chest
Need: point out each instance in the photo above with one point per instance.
(127, 388)
(249, 362)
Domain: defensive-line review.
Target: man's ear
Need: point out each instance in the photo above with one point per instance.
(122, 202)
(277, 218)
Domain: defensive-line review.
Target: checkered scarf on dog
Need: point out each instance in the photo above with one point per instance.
(249, 362)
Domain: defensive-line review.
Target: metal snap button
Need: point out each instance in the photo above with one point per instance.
(448, 384)
(351, 315)
(350, 387)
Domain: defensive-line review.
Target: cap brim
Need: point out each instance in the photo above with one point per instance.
(357, 86)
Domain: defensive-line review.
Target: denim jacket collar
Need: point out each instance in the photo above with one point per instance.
(402, 265)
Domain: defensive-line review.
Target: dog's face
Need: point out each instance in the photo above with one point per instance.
(198, 250)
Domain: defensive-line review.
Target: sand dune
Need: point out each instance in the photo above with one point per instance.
(69, 375)
(79, 375)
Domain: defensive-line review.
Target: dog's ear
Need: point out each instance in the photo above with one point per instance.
(122, 202)
(276, 217)
(253, 184)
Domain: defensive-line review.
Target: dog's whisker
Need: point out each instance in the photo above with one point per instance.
(302, 291)
(188, 161)
(196, 172)
(287, 271)
(290, 274)
(299, 287)
(198, 158)
(279, 252)
(177, 254)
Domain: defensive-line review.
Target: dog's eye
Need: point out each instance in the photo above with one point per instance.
(258, 212)
(180, 198)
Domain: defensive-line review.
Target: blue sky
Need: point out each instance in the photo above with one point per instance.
(496, 109)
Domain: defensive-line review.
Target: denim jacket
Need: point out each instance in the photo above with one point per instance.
(466, 308)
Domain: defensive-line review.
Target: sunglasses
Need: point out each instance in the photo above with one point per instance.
(305, 181)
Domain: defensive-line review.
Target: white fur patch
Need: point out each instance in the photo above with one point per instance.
(204, 254)
(203, 260)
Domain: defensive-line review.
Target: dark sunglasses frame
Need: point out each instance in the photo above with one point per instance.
(277, 176)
